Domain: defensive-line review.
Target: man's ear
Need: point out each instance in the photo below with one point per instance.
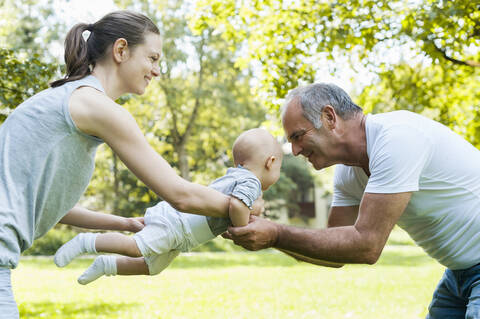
(269, 162)
(329, 117)
(120, 50)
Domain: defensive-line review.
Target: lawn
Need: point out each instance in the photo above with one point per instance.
(234, 285)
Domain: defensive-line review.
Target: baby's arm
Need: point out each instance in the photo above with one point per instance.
(85, 218)
(238, 212)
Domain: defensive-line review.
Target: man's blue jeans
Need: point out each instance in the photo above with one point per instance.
(457, 295)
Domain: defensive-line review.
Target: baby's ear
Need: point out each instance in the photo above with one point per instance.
(269, 162)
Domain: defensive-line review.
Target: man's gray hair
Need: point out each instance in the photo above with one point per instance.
(314, 97)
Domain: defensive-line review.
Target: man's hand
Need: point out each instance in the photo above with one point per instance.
(135, 224)
(260, 233)
(258, 206)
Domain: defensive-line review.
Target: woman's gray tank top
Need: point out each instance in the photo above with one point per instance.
(46, 163)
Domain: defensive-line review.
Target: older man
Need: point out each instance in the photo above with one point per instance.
(394, 168)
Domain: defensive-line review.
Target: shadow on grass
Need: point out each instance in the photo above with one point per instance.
(67, 310)
(268, 258)
(188, 260)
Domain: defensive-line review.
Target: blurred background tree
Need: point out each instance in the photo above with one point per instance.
(418, 55)
(26, 65)
(227, 65)
(191, 115)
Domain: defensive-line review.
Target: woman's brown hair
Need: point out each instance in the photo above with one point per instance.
(81, 54)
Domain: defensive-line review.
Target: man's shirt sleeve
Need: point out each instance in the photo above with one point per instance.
(397, 159)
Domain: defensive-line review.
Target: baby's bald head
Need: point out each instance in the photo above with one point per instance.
(255, 146)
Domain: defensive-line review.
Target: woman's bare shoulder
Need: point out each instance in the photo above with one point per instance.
(90, 108)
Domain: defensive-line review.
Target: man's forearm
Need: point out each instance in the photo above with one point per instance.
(338, 245)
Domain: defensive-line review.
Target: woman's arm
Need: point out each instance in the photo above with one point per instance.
(85, 218)
(96, 114)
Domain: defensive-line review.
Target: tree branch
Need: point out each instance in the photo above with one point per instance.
(193, 116)
(453, 60)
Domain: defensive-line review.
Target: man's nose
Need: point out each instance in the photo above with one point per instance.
(296, 149)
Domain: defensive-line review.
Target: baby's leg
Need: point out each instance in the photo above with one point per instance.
(117, 243)
(132, 266)
(80, 244)
(111, 266)
(93, 243)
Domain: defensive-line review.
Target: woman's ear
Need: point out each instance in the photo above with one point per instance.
(269, 162)
(120, 50)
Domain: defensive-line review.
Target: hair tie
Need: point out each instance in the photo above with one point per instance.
(87, 32)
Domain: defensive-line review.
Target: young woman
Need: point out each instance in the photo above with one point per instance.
(48, 144)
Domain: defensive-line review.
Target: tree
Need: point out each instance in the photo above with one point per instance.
(287, 38)
(20, 79)
(29, 26)
(295, 181)
(425, 54)
(25, 63)
(191, 115)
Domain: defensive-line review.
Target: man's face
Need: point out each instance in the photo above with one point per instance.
(314, 144)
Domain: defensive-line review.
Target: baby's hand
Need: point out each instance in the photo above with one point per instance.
(136, 224)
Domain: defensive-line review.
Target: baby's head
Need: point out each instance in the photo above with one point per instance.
(258, 151)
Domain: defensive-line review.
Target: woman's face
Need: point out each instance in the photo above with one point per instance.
(142, 64)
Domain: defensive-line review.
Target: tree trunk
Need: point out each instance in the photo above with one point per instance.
(183, 160)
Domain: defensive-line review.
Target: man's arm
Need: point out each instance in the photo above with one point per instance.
(361, 242)
(85, 218)
(338, 216)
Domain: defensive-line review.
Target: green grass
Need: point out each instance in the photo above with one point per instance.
(234, 285)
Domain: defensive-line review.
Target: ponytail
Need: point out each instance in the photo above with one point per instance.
(76, 55)
(81, 55)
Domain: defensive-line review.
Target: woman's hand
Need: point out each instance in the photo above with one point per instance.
(135, 224)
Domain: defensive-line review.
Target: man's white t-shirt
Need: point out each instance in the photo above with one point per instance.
(410, 153)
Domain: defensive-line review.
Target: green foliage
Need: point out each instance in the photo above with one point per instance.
(191, 115)
(20, 79)
(426, 54)
(295, 181)
(28, 27)
(114, 188)
(48, 244)
(451, 96)
(25, 67)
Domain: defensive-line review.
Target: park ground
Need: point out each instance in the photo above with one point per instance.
(235, 285)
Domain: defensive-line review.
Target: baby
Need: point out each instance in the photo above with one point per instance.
(167, 232)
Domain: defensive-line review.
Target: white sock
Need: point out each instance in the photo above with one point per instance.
(80, 244)
(102, 265)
